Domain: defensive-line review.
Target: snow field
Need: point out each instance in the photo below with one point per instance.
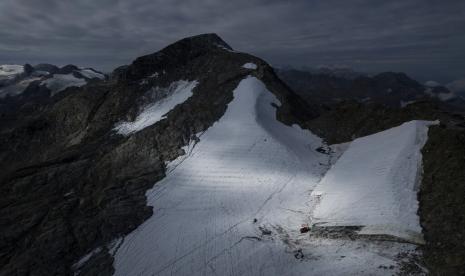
(233, 205)
(177, 93)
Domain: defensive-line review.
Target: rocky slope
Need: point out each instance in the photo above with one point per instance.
(28, 88)
(70, 183)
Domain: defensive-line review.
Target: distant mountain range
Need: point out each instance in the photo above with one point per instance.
(15, 79)
(328, 86)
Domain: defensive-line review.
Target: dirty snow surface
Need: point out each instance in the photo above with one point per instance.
(165, 100)
(374, 184)
(235, 202)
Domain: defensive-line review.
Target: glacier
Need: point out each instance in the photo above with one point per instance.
(235, 202)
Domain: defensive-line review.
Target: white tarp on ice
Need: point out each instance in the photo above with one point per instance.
(373, 184)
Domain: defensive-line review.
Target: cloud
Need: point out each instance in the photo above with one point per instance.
(457, 86)
(432, 83)
(415, 35)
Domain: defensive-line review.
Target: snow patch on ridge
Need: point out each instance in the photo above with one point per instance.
(76, 266)
(250, 65)
(91, 74)
(177, 93)
(373, 184)
(225, 48)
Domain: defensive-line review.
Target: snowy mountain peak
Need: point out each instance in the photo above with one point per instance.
(199, 160)
(16, 79)
(10, 70)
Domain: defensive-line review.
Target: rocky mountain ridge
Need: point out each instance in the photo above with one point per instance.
(389, 88)
(72, 184)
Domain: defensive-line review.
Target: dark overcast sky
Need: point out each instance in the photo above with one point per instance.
(424, 38)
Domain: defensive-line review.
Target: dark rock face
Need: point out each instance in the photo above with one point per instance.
(28, 69)
(179, 54)
(349, 120)
(50, 68)
(67, 69)
(442, 203)
(70, 184)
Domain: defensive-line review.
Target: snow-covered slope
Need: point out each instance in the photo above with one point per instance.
(60, 82)
(10, 71)
(373, 184)
(250, 65)
(13, 80)
(165, 100)
(91, 74)
(246, 166)
(76, 77)
(234, 205)
(17, 88)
